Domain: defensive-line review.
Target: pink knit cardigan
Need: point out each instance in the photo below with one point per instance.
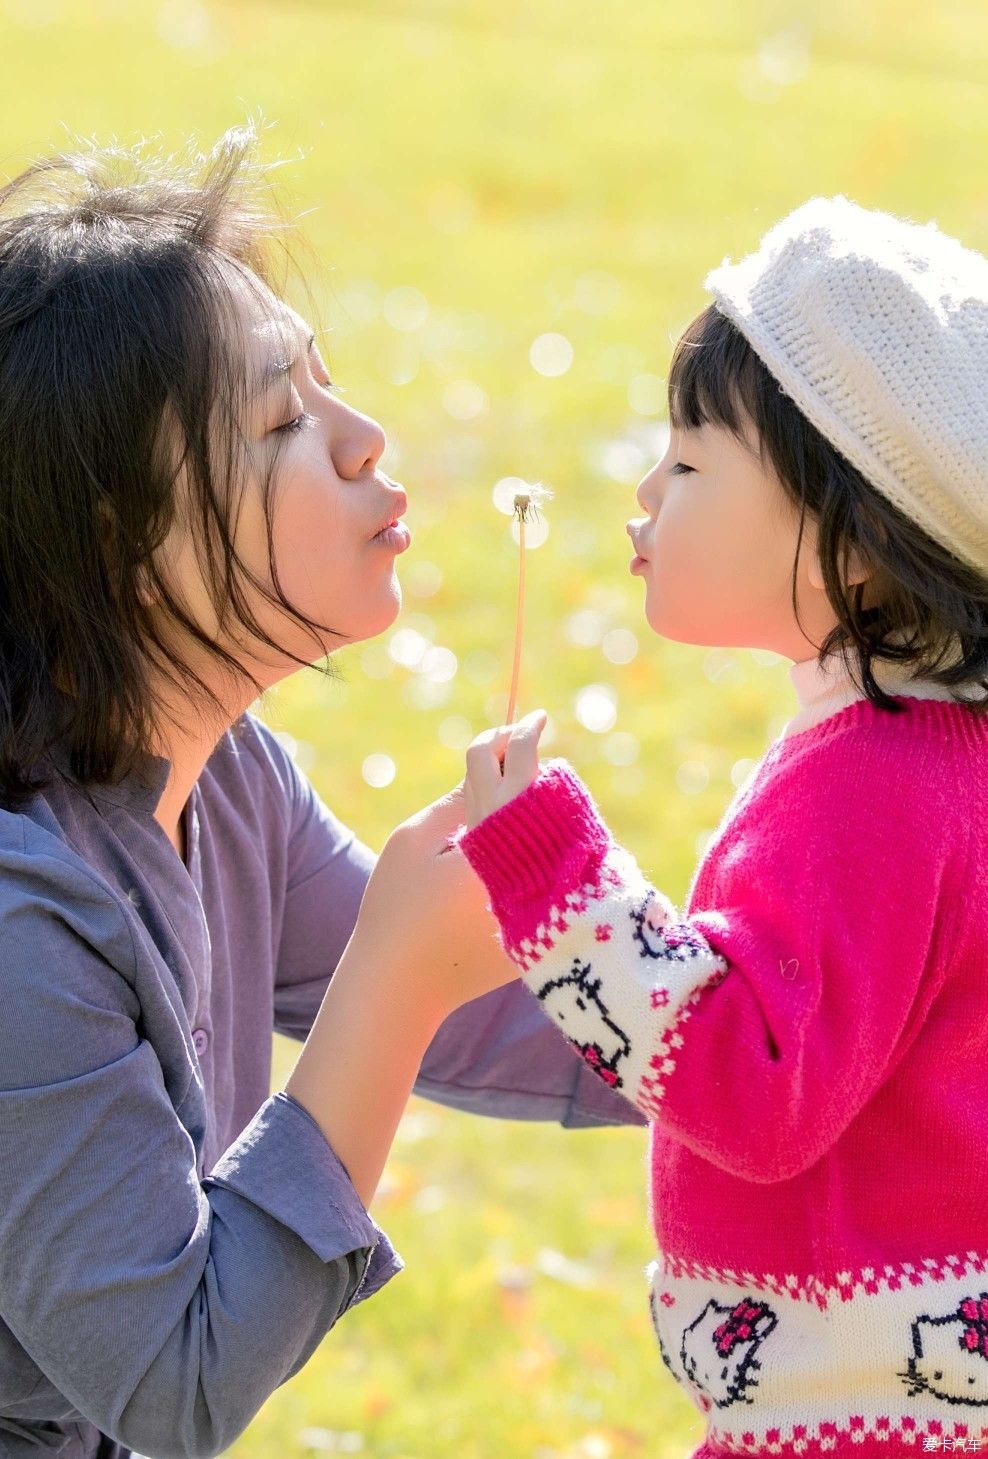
(809, 1040)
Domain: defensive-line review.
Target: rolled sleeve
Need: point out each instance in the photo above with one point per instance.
(262, 1166)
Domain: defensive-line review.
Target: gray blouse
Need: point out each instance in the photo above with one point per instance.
(174, 1241)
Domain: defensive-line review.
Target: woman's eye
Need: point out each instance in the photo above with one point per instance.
(291, 426)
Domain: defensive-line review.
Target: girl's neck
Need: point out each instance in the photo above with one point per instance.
(823, 689)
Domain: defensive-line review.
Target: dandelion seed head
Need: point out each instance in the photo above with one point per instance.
(528, 503)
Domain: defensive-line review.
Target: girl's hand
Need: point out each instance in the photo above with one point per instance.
(501, 763)
(424, 918)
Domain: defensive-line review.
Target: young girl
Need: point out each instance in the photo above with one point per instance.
(808, 1038)
(188, 513)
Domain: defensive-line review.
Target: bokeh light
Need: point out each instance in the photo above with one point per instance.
(406, 308)
(619, 645)
(438, 664)
(455, 732)
(621, 748)
(422, 578)
(536, 531)
(378, 770)
(551, 354)
(647, 394)
(585, 627)
(692, 776)
(464, 400)
(596, 708)
(408, 647)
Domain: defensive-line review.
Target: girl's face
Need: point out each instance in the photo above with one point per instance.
(717, 548)
(331, 505)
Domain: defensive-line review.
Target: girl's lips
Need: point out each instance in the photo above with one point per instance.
(635, 531)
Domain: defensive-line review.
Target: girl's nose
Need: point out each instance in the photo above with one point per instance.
(358, 445)
(647, 490)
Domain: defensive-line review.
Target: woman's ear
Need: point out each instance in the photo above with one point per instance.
(145, 592)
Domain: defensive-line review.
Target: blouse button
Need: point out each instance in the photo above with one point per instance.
(200, 1039)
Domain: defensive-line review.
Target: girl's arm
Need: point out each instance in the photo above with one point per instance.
(757, 1028)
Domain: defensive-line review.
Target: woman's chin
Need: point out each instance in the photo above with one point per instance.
(380, 616)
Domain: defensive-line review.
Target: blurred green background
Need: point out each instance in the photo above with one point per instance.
(507, 211)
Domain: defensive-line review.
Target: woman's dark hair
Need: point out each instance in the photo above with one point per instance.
(120, 366)
(935, 605)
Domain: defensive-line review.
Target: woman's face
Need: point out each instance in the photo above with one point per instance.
(330, 502)
(717, 548)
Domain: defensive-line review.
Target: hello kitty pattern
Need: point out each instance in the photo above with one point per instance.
(719, 1347)
(949, 1357)
(618, 971)
(742, 1344)
(575, 1002)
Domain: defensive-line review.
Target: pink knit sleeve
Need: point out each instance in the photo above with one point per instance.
(602, 950)
(755, 1029)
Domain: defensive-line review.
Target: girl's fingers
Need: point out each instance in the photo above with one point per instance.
(484, 758)
(500, 764)
(521, 760)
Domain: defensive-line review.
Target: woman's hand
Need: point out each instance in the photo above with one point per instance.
(424, 942)
(424, 918)
(501, 763)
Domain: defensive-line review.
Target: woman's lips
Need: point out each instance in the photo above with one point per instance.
(395, 505)
(395, 537)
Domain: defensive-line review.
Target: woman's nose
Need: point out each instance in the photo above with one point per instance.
(359, 445)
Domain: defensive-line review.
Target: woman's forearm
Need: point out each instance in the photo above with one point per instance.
(359, 1062)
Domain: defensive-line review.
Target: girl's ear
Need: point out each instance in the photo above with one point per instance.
(858, 571)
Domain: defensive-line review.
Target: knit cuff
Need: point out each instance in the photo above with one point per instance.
(547, 842)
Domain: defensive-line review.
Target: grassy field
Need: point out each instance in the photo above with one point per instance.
(472, 177)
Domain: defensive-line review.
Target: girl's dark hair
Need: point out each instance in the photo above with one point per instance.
(120, 365)
(935, 604)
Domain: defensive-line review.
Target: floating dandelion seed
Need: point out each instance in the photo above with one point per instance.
(527, 508)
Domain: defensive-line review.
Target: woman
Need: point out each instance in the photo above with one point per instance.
(188, 513)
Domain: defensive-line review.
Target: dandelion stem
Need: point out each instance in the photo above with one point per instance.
(526, 507)
(519, 614)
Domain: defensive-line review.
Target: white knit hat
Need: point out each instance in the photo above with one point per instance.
(877, 327)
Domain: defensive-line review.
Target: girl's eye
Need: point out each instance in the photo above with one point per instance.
(331, 386)
(679, 468)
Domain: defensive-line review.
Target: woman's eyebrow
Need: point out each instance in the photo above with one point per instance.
(276, 368)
